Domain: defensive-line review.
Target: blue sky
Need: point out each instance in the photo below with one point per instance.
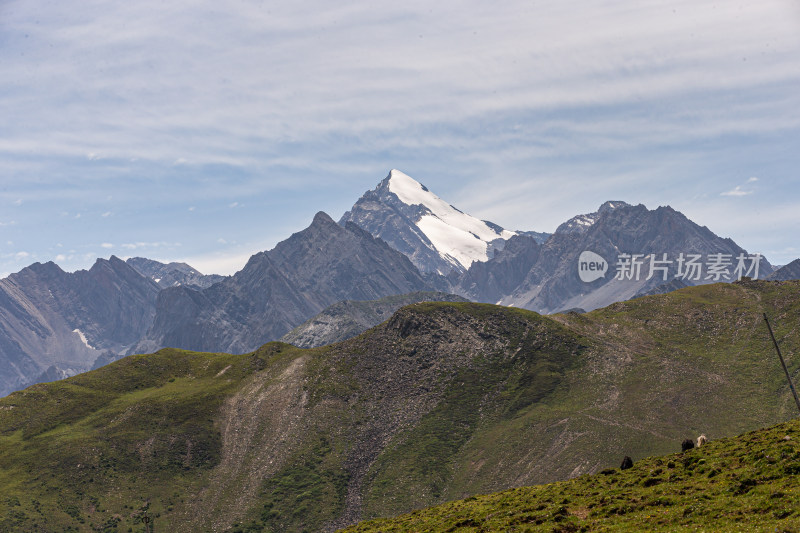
(205, 132)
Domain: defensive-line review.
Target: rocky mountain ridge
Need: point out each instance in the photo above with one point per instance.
(57, 323)
(628, 240)
(279, 289)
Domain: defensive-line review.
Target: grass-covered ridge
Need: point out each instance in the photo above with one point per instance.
(440, 402)
(744, 483)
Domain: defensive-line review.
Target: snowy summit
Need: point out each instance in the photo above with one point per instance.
(454, 234)
(435, 236)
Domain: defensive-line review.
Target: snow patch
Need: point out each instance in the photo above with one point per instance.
(461, 237)
(83, 338)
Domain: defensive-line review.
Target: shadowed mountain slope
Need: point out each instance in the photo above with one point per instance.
(787, 272)
(58, 323)
(279, 289)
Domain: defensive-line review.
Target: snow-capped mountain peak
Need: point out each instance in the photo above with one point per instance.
(451, 231)
(436, 236)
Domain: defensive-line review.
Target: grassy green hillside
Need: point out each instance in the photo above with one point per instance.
(105, 449)
(441, 402)
(745, 483)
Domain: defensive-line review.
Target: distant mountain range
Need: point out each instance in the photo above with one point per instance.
(398, 238)
(486, 263)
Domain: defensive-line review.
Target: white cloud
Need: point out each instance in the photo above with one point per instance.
(736, 191)
(739, 189)
(106, 214)
(107, 245)
(145, 245)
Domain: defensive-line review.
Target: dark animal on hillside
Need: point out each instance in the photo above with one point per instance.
(701, 440)
(626, 463)
(687, 444)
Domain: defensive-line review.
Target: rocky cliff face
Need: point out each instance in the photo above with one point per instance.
(495, 279)
(59, 323)
(279, 289)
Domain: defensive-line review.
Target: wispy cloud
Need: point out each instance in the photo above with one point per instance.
(736, 191)
(739, 190)
(377, 72)
(150, 245)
